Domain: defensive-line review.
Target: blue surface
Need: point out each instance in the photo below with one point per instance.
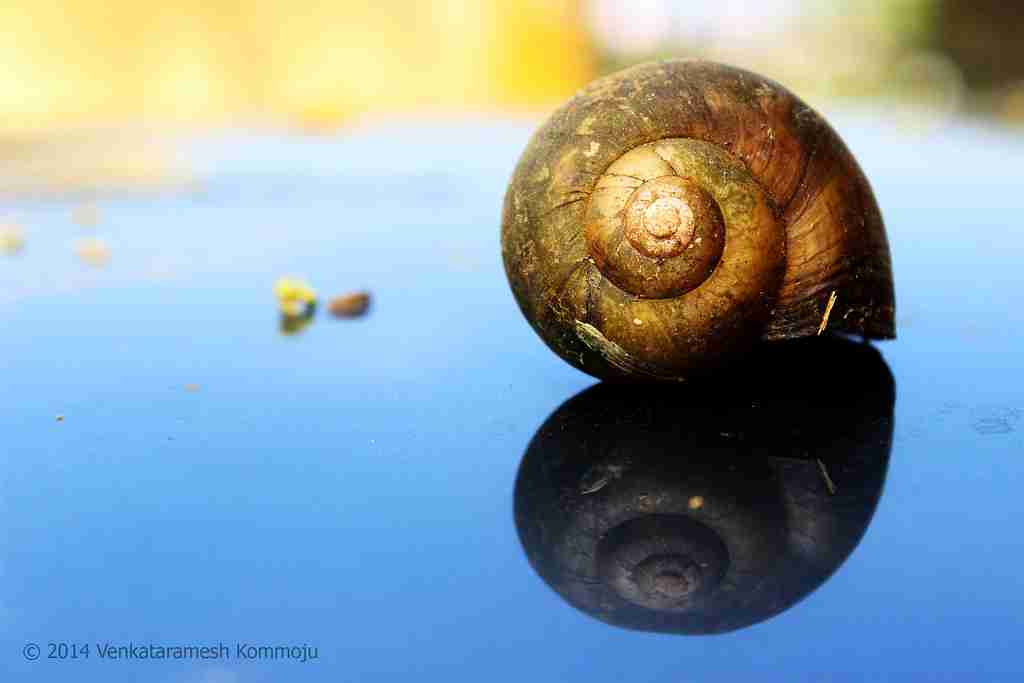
(350, 488)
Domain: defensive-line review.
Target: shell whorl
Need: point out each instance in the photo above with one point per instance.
(662, 562)
(665, 216)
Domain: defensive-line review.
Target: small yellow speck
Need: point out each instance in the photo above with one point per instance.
(11, 239)
(93, 252)
(293, 308)
(294, 296)
(638, 321)
(696, 502)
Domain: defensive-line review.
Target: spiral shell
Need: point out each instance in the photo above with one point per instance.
(703, 508)
(671, 215)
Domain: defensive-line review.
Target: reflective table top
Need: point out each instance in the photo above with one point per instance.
(427, 493)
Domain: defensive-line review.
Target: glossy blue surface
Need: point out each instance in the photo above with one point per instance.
(350, 488)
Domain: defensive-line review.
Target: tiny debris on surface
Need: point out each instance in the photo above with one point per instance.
(295, 297)
(696, 502)
(828, 311)
(192, 388)
(93, 252)
(11, 239)
(293, 325)
(828, 480)
(599, 475)
(60, 418)
(991, 420)
(350, 305)
(594, 482)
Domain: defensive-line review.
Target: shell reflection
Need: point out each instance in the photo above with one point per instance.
(710, 507)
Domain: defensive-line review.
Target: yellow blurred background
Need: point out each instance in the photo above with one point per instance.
(315, 63)
(322, 64)
(85, 83)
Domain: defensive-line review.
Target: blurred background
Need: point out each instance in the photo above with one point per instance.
(77, 65)
(324, 64)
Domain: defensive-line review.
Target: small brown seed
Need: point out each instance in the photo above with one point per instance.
(93, 252)
(350, 305)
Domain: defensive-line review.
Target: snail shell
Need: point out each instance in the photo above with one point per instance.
(671, 215)
(703, 508)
